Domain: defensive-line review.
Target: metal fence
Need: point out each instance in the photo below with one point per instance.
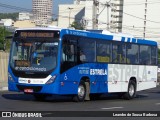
(4, 56)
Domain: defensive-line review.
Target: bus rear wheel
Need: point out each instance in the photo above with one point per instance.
(81, 93)
(130, 94)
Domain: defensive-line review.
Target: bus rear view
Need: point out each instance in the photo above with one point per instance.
(33, 61)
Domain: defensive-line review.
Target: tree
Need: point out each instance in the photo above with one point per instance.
(3, 43)
(12, 16)
(77, 25)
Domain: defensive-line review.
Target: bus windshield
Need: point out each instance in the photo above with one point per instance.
(33, 55)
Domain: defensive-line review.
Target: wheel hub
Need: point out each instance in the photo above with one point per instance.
(81, 91)
(131, 90)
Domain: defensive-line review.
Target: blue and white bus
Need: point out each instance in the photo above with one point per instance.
(47, 61)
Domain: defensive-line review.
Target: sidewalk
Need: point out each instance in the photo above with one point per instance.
(3, 85)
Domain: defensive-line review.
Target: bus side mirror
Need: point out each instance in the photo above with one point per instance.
(8, 37)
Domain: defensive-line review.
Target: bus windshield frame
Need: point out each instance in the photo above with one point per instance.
(34, 55)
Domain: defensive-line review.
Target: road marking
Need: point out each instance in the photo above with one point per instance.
(112, 108)
(157, 103)
(143, 94)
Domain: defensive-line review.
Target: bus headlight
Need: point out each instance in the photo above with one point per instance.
(51, 80)
(10, 78)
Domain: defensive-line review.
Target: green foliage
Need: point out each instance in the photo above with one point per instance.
(12, 16)
(3, 34)
(1, 37)
(1, 46)
(77, 25)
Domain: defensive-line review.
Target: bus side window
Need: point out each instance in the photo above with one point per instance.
(132, 54)
(103, 51)
(114, 57)
(88, 48)
(153, 55)
(119, 53)
(145, 55)
(69, 53)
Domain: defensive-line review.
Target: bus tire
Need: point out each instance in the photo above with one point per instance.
(130, 94)
(81, 92)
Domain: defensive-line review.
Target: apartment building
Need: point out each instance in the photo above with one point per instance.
(42, 12)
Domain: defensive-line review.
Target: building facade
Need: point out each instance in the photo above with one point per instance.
(7, 22)
(69, 13)
(104, 15)
(42, 12)
(141, 18)
(24, 16)
(138, 18)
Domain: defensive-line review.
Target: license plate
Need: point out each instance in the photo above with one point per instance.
(28, 90)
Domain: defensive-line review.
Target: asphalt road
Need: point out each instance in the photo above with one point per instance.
(148, 101)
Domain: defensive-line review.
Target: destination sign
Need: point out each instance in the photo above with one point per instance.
(37, 34)
(22, 63)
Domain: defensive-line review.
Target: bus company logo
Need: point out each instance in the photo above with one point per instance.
(98, 71)
(29, 81)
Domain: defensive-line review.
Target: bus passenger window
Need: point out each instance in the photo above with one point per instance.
(153, 55)
(119, 53)
(68, 52)
(145, 55)
(82, 56)
(132, 54)
(88, 49)
(103, 51)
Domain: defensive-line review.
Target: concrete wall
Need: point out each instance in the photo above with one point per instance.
(4, 56)
(24, 24)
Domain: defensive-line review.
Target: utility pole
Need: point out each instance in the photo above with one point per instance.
(145, 18)
(69, 15)
(95, 15)
(108, 5)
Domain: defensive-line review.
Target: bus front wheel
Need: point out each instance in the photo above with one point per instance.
(81, 93)
(131, 91)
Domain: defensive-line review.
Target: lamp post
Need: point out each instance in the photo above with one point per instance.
(69, 15)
